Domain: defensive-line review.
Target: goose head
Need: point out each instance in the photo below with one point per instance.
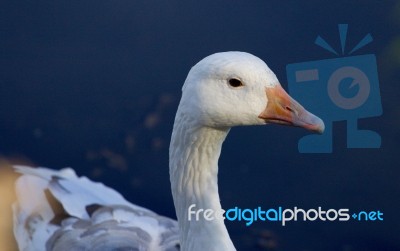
(235, 88)
(221, 91)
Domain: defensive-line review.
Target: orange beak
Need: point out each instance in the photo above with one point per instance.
(283, 109)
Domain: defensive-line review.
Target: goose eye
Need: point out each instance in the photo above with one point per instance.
(234, 82)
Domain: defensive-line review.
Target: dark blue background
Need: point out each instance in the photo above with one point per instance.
(95, 84)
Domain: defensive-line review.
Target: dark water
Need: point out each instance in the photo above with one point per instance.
(95, 84)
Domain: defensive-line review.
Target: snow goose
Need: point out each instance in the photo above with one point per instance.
(57, 210)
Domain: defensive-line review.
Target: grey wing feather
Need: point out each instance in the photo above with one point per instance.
(108, 231)
(115, 224)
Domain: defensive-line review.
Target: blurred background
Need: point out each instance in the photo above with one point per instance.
(94, 85)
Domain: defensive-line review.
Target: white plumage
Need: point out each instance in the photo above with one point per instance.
(57, 210)
(92, 217)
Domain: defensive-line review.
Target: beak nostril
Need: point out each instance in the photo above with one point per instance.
(289, 109)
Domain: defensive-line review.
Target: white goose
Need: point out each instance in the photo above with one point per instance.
(56, 210)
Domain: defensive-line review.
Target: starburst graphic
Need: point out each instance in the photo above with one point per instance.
(343, 36)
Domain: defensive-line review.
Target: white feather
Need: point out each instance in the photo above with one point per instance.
(33, 215)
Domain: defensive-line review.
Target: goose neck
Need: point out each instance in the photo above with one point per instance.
(194, 154)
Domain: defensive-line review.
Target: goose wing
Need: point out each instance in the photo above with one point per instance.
(57, 210)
